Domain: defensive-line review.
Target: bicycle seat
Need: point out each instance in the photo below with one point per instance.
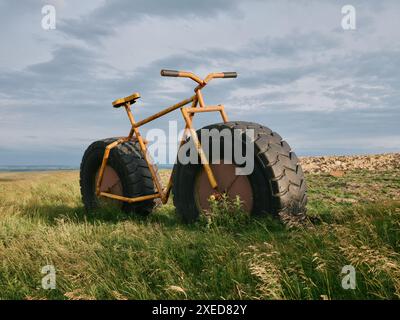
(122, 101)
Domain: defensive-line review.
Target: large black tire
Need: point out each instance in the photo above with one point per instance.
(277, 181)
(133, 172)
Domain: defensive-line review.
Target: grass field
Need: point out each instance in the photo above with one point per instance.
(355, 220)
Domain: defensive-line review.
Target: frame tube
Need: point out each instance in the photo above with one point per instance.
(188, 113)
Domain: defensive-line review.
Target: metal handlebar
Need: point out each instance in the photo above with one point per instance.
(169, 73)
(184, 74)
(230, 74)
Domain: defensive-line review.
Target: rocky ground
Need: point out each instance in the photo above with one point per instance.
(338, 165)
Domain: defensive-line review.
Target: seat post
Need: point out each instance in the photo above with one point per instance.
(131, 119)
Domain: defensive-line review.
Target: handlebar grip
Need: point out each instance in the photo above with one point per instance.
(230, 74)
(169, 73)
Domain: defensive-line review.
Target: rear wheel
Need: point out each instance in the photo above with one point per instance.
(126, 174)
(276, 185)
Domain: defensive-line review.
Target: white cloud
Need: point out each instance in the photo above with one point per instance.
(292, 57)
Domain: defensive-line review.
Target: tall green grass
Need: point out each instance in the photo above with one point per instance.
(226, 255)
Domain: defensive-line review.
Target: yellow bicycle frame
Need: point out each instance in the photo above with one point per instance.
(197, 105)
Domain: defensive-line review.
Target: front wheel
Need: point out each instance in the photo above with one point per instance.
(126, 174)
(275, 185)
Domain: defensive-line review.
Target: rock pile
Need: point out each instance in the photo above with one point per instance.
(340, 164)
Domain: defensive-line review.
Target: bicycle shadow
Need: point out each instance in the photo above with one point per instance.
(54, 214)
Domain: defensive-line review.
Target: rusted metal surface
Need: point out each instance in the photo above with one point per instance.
(104, 162)
(200, 99)
(203, 157)
(228, 183)
(130, 200)
(111, 182)
(129, 99)
(164, 112)
(105, 179)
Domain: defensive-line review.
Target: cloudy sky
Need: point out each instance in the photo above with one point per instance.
(326, 90)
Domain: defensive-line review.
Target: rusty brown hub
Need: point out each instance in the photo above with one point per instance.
(111, 182)
(228, 183)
